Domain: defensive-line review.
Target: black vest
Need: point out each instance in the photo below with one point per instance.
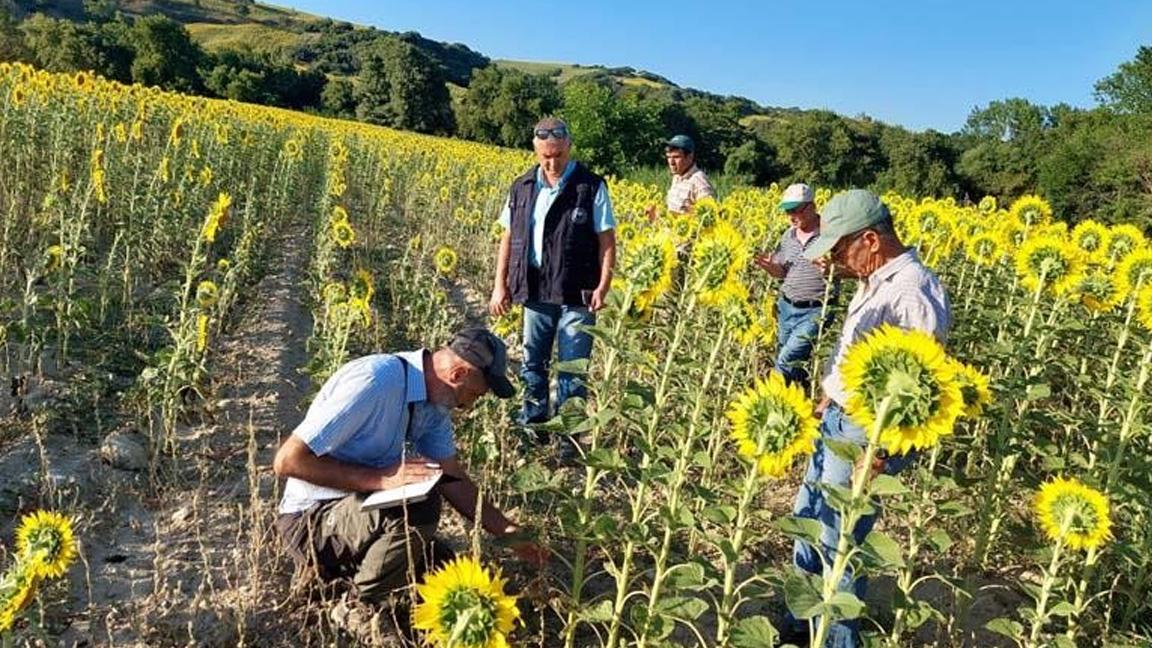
(570, 259)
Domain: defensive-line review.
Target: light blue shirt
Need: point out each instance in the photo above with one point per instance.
(360, 416)
(602, 217)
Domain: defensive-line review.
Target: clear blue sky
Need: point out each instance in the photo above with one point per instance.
(921, 64)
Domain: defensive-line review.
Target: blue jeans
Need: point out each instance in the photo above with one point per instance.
(544, 323)
(796, 333)
(826, 467)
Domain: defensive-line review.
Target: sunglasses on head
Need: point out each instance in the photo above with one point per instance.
(559, 132)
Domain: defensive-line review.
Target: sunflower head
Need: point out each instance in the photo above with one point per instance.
(207, 294)
(984, 248)
(1144, 305)
(772, 424)
(973, 388)
(445, 260)
(17, 587)
(707, 211)
(1049, 262)
(647, 265)
(1091, 238)
(45, 538)
(464, 605)
(987, 205)
(906, 376)
(1133, 272)
(1031, 210)
(1097, 291)
(718, 258)
(1123, 239)
(343, 234)
(1073, 513)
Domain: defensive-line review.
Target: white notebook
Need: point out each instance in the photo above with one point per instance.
(407, 494)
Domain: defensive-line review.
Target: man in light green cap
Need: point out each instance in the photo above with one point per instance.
(858, 237)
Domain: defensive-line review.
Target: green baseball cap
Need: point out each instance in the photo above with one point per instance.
(846, 213)
(682, 142)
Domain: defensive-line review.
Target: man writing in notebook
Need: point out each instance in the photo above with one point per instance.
(381, 422)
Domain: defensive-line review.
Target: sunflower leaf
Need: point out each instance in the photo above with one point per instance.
(602, 612)
(884, 550)
(805, 529)
(887, 485)
(846, 450)
(1007, 627)
(753, 632)
(802, 594)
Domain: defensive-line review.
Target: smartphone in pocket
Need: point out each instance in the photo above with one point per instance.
(586, 297)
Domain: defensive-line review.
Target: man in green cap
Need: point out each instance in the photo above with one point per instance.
(689, 183)
(858, 237)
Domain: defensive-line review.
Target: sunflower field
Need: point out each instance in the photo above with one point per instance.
(135, 224)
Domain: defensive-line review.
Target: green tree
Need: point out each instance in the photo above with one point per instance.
(917, 164)
(339, 98)
(166, 56)
(1003, 142)
(751, 163)
(500, 106)
(402, 87)
(1129, 88)
(821, 147)
(12, 46)
(64, 46)
(611, 134)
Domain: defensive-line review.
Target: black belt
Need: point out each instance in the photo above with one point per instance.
(802, 303)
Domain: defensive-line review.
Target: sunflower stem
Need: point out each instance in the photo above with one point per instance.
(861, 479)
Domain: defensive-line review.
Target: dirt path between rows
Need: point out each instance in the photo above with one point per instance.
(196, 561)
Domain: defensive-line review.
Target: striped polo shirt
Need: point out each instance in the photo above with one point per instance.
(902, 293)
(803, 281)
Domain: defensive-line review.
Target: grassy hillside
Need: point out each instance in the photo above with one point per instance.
(563, 72)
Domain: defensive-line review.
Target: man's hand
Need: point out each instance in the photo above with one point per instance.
(597, 300)
(409, 471)
(500, 301)
(878, 465)
(532, 553)
(818, 411)
(765, 263)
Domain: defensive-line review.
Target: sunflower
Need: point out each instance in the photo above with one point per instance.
(445, 260)
(1123, 239)
(973, 388)
(1011, 232)
(910, 371)
(987, 205)
(292, 150)
(707, 211)
(985, 248)
(1133, 272)
(45, 538)
(647, 267)
(1098, 290)
(1073, 513)
(1092, 239)
(1051, 262)
(718, 259)
(207, 294)
(217, 216)
(509, 323)
(753, 323)
(464, 606)
(1144, 305)
(1031, 210)
(339, 214)
(53, 258)
(772, 424)
(17, 587)
(343, 233)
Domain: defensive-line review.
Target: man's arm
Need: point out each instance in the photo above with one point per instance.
(500, 300)
(767, 262)
(607, 240)
(296, 459)
(463, 496)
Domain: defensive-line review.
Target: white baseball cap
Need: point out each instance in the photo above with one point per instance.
(796, 195)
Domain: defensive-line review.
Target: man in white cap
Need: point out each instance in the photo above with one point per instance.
(858, 236)
(804, 290)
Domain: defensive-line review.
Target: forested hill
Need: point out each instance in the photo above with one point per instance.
(1088, 162)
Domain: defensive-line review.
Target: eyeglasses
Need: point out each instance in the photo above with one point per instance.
(842, 245)
(559, 132)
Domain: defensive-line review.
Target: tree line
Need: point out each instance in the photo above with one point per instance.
(1094, 162)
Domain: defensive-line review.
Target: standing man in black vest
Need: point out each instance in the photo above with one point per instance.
(556, 258)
